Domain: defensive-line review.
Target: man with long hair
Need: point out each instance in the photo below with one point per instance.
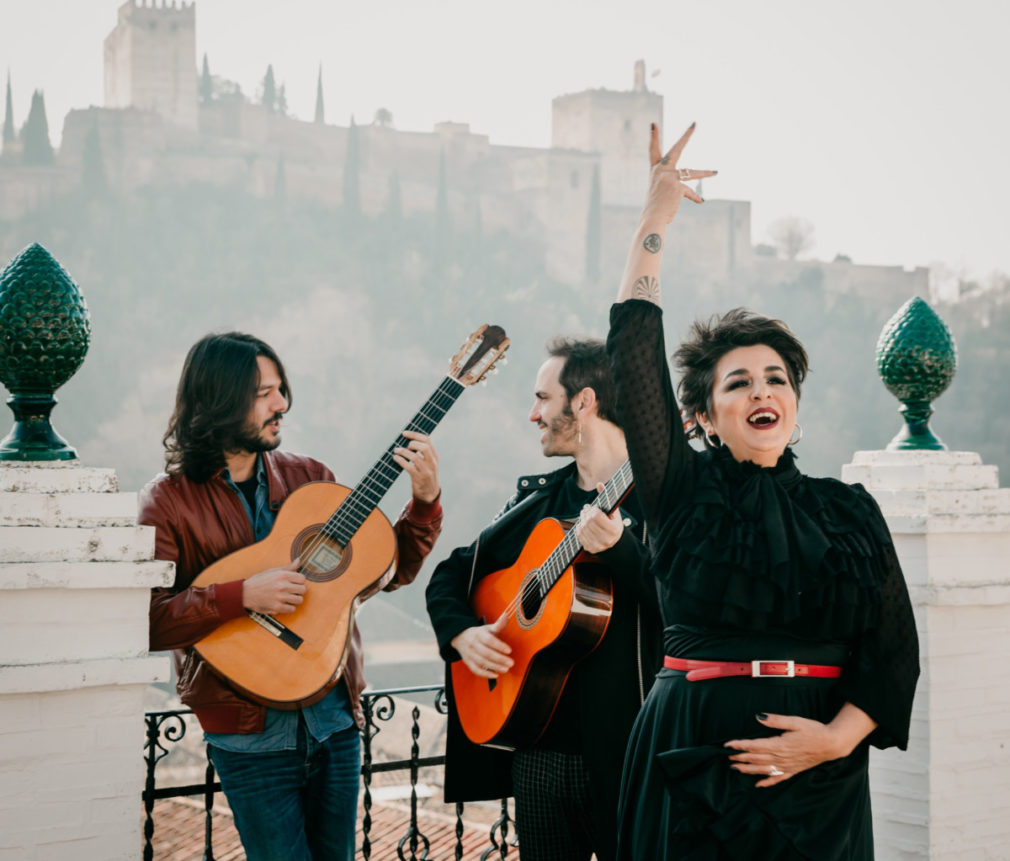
(290, 776)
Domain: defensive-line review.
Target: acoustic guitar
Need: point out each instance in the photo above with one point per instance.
(347, 552)
(557, 611)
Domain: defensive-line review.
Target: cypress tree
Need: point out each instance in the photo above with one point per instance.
(9, 135)
(206, 84)
(319, 96)
(35, 133)
(269, 90)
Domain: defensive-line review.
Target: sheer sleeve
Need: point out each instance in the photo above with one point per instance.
(884, 667)
(646, 407)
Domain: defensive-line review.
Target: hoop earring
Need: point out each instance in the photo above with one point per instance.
(799, 436)
(712, 439)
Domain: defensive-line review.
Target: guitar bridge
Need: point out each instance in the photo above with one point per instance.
(278, 629)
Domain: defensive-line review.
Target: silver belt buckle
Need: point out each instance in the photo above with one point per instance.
(756, 672)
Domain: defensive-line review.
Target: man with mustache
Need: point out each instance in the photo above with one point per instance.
(566, 784)
(290, 777)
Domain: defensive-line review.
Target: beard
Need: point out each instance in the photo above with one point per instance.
(560, 435)
(250, 438)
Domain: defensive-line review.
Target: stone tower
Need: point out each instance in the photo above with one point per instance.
(150, 60)
(615, 124)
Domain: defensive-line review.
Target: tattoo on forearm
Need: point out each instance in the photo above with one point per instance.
(646, 287)
(652, 243)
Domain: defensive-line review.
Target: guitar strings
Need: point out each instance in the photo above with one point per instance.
(353, 511)
(552, 568)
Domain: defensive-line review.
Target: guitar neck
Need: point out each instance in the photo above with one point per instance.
(608, 499)
(365, 497)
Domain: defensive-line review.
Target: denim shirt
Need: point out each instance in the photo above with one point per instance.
(280, 732)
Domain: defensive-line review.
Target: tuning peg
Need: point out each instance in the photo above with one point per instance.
(483, 381)
(503, 361)
(494, 370)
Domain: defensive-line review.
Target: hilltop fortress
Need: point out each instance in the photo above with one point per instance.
(161, 125)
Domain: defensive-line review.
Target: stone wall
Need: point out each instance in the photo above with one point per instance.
(75, 580)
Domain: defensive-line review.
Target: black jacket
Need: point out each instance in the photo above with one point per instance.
(613, 680)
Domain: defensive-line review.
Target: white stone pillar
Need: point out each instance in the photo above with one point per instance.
(948, 797)
(75, 580)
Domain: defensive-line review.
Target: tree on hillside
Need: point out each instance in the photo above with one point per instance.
(792, 236)
(282, 101)
(9, 135)
(35, 133)
(269, 97)
(383, 117)
(319, 96)
(352, 175)
(206, 84)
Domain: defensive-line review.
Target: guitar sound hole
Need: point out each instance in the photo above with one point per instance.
(323, 557)
(532, 599)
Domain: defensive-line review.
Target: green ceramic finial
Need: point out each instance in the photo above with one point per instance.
(44, 333)
(916, 359)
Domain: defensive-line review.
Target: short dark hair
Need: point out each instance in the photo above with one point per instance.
(587, 366)
(216, 391)
(709, 340)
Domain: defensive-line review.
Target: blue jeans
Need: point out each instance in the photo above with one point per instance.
(295, 805)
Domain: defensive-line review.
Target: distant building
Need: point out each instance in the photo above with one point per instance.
(155, 129)
(150, 61)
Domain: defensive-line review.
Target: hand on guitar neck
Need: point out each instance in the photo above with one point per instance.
(482, 651)
(420, 461)
(274, 591)
(596, 530)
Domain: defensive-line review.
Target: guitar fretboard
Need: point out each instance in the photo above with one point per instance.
(365, 497)
(564, 554)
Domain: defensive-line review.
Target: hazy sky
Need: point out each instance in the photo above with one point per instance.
(884, 123)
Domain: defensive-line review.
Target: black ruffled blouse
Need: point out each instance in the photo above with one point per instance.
(741, 549)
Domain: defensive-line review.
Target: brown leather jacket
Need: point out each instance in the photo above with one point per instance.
(197, 524)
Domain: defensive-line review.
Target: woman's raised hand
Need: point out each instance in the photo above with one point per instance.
(668, 183)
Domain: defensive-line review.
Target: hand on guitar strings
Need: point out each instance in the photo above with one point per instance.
(482, 651)
(275, 591)
(420, 461)
(596, 530)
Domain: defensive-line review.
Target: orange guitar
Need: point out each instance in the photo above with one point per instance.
(557, 613)
(347, 549)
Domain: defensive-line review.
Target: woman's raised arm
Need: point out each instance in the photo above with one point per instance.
(667, 187)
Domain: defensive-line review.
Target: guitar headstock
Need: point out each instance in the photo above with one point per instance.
(477, 357)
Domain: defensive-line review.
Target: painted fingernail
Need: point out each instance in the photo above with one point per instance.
(652, 127)
(761, 716)
(693, 125)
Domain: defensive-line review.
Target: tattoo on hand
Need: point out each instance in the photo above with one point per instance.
(665, 159)
(646, 287)
(652, 243)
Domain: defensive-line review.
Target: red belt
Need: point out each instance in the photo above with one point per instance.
(698, 671)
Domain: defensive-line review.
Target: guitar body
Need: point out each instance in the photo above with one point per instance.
(547, 636)
(302, 665)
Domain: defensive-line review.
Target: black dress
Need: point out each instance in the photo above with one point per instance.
(753, 564)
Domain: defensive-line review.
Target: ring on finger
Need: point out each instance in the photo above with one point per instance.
(684, 173)
(774, 772)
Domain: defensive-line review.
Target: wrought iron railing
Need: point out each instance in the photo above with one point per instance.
(167, 728)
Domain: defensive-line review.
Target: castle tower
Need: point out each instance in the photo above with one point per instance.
(615, 124)
(150, 60)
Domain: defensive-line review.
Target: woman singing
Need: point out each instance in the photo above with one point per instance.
(788, 630)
